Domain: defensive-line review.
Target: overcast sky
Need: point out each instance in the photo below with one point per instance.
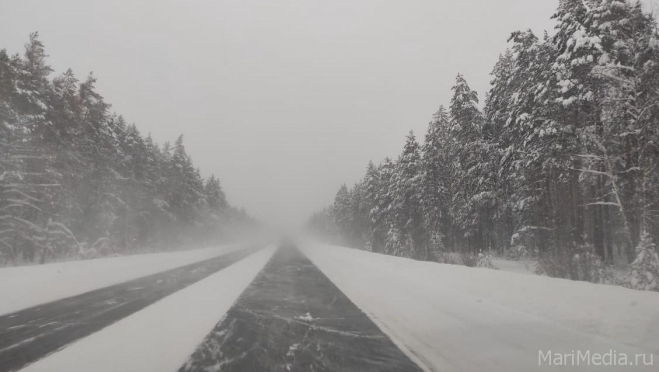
(283, 100)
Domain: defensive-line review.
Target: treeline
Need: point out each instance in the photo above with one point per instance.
(78, 180)
(561, 163)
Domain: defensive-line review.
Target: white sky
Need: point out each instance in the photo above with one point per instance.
(283, 100)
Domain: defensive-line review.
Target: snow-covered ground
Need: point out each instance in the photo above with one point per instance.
(27, 286)
(522, 266)
(455, 318)
(162, 336)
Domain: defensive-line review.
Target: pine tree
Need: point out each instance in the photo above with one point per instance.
(407, 229)
(436, 183)
(342, 212)
(381, 192)
(372, 190)
(215, 196)
(472, 170)
(27, 177)
(502, 148)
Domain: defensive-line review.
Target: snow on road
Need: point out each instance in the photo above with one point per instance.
(455, 318)
(292, 318)
(162, 336)
(27, 286)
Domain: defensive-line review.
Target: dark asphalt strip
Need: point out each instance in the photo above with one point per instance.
(31, 334)
(293, 318)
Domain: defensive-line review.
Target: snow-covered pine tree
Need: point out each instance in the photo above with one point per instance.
(502, 147)
(183, 189)
(361, 207)
(627, 71)
(529, 141)
(472, 187)
(28, 180)
(381, 214)
(342, 211)
(372, 190)
(215, 196)
(407, 230)
(436, 183)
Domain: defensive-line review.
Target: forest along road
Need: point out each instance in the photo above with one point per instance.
(31, 334)
(293, 318)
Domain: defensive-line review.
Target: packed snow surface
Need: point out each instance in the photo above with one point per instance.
(162, 336)
(455, 318)
(523, 267)
(27, 286)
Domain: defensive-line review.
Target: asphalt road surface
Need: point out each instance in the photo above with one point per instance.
(293, 318)
(31, 334)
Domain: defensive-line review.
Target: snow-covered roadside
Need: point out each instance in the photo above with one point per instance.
(456, 318)
(162, 336)
(620, 271)
(27, 286)
(522, 267)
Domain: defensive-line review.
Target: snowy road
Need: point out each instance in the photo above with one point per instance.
(292, 318)
(30, 334)
(326, 308)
